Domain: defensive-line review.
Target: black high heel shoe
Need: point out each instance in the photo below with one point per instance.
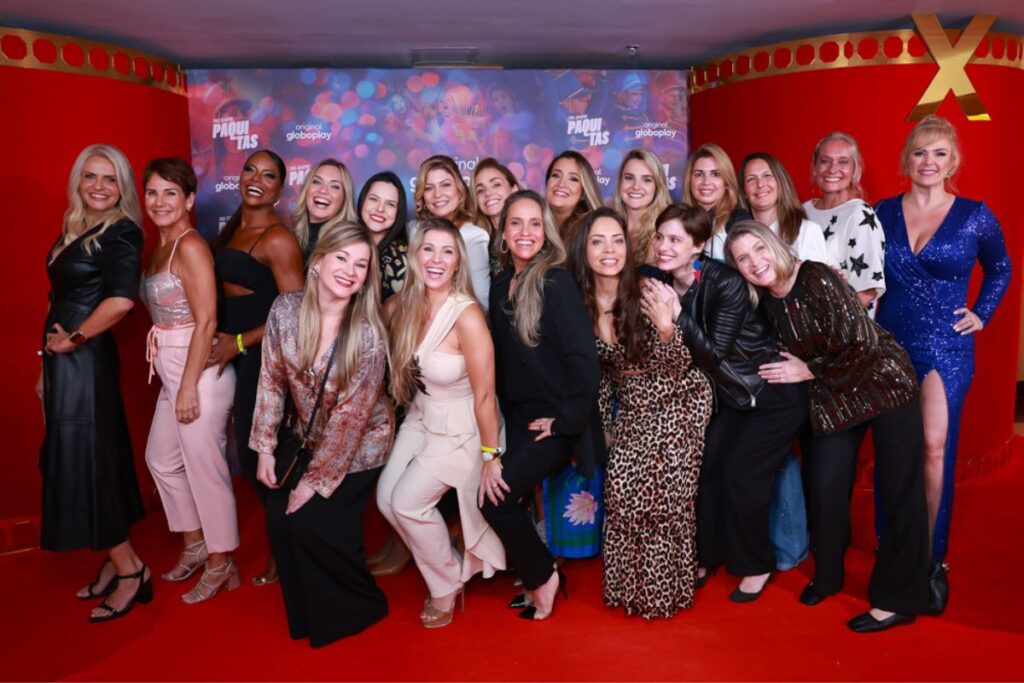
(92, 593)
(143, 595)
(531, 611)
(519, 601)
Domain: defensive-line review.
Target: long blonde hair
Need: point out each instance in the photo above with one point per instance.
(300, 215)
(466, 210)
(784, 260)
(412, 308)
(642, 240)
(363, 307)
(76, 216)
(730, 200)
(528, 302)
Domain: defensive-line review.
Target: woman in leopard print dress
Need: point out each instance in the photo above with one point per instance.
(657, 438)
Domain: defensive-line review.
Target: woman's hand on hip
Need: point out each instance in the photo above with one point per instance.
(223, 351)
(969, 323)
(542, 425)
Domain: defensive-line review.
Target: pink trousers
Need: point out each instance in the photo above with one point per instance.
(187, 460)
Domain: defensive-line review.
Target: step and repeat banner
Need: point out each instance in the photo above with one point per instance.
(387, 119)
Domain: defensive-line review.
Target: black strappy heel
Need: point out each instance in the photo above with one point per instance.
(92, 593)
(143, 595)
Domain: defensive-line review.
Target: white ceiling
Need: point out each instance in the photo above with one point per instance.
(510, 33)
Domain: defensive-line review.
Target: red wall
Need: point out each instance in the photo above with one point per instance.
(47, 118)
(787, 114)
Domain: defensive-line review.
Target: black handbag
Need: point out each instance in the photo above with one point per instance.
(292, 455)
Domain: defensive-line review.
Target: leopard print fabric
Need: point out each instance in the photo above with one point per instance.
(650, 554)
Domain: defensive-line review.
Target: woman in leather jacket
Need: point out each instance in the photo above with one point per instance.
(755, 423)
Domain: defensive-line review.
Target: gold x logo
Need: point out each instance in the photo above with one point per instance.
(951, 60)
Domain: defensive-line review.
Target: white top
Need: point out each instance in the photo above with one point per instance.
(478, 249)
(716, 245)
(855, 243)
(809, 244)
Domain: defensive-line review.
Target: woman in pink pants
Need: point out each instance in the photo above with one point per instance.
(185, 452)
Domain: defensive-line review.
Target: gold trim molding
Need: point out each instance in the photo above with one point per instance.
(930, 44)
(52, 52)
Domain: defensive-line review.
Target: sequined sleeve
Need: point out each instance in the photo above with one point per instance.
(359, 425)
(273, 385)
(849, 341)
(995, 263)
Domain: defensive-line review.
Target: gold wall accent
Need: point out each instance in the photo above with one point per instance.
(951, 58)
(872, 48)
(52, 52)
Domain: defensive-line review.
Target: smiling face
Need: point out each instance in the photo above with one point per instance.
(261, 182)
(706, 183)
(564, 186)
(638, 185)
(760, 185)
(754, 260)
(342, 273)
(166, 203)
(674, 247)
(326, 194)
(606, 247)
(438, 258)
(380, 208)
(97, 186)
(835, 168)
(442, 194)
(524, 231)
(492, 189)
(931, 164)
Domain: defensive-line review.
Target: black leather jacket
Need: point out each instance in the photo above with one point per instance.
(728, 337)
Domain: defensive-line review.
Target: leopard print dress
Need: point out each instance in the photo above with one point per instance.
(650, 556)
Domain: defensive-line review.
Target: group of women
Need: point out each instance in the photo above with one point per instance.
(678, 352)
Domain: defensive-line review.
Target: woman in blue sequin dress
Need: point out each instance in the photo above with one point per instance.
(933, 239)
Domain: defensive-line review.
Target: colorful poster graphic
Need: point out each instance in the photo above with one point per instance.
(386, 119)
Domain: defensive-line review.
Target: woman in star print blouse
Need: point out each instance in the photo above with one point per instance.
(854, 241)
(933, 239)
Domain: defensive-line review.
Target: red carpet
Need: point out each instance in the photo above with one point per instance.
(242, 635)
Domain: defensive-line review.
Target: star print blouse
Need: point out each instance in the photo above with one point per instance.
(353, 430)
(854, 243)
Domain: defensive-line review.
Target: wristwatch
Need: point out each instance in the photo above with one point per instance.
(490, 454)
(77, 338)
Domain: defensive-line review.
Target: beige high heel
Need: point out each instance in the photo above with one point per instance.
(213, 579)
(198, 556)
(433, 617)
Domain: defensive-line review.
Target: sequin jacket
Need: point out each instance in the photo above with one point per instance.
(859, 370)
(353, 430)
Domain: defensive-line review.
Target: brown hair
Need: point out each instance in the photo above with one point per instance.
(467, 205)
(696, 221)
(789, 210)
(174, 170)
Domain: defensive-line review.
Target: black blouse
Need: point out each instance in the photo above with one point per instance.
(559, 377)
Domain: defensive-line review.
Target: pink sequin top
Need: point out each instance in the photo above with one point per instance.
(353, 430)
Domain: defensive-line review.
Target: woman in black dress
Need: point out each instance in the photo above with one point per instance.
(547, 381)
(90, 493)
(255, 258)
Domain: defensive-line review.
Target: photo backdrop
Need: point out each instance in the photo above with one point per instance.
(387, 119)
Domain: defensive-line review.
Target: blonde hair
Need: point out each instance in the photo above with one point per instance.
(300, 215)
(363, 307)
(467, 204)
(411, 308)
(855, 155)
(528, 303)
(928, 130)
(784, 260)
(732, 197)
(590, 197)
(76, 215)
(643, 239)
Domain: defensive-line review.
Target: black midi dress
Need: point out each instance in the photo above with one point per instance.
(90, 492)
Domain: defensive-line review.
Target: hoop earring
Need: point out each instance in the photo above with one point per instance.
(503, 247)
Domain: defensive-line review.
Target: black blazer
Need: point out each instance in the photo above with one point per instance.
(557, 378)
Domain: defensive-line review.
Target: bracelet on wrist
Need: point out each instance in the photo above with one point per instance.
(239, 343)
(77, 338)
(490, 453)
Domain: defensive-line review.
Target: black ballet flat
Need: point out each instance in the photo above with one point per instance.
(865, 623)
(743, 597)
(92, 593)
(702, 581)
(938, 589)
(810, 597)
(518, 602)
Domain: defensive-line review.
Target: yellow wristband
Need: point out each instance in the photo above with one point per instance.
(239, 343)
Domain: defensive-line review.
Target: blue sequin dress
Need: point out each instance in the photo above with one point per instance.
(922, 292)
